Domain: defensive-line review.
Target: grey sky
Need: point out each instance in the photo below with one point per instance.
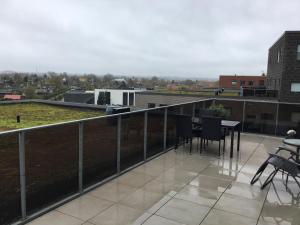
(143, 37)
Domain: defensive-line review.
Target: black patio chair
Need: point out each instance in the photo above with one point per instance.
(184, 130)
(212, 130)
(287, 165)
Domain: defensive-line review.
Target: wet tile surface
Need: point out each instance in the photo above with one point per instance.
(180, 188)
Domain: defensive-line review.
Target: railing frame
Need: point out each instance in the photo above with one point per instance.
(22, 139)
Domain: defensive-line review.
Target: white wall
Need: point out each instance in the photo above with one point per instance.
(116, 95)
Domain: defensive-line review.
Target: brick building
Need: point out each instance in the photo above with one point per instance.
(284, 67)
(236, 81)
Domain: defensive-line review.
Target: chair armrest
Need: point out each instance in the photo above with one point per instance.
(292, 152)
(285, 159)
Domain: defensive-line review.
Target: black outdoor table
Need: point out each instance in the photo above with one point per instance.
(232, 126)
(293, 142)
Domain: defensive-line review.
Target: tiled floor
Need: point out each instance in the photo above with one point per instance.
(179, 188)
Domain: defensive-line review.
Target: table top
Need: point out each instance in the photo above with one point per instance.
(292, 141)
(230, 123)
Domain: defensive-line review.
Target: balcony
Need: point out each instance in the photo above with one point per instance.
(122, 169)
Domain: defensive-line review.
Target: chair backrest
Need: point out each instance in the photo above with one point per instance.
(211, 128)
(184, 126)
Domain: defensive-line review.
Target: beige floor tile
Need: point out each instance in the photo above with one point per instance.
(239, 205)
(152, 169)
(134, 179)
(177, 175)
(165, 186)
(142, 219)
(113, 191)
(261, 221)
(219, 172)
(56, 218)
(247, 191)
(286, 214)
(212, 183)
(183, 211)
(157, 220)
(117, 215)
(85, 207)
(229, 164)
(141, 199)
(159, 204)
(200, 196)
(193, 165)
(218, 217)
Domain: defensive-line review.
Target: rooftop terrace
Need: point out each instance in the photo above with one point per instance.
(179, 188)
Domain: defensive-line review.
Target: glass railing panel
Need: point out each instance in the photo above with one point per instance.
(235, 109)
(188, 109)
(132, 139)
(198, 108)
(10, 209)
(288, 118)
(260, 117)
(155, 132)
(99, 149)
(51, 165)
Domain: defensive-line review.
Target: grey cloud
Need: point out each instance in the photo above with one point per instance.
(140, 37)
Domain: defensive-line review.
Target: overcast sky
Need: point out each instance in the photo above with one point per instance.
(192, 38)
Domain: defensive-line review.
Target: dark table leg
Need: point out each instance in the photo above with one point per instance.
(231, 145)
(239, 138)
(298, 151)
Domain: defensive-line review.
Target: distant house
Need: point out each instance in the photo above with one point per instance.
(79, 97)
(237, 81)
(125, 97)
(12, 97)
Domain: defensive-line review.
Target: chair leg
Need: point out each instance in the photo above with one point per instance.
(201, 143)
(259, 172)
(224, 145)
(191, 143)
(269, 179)
(219, 147)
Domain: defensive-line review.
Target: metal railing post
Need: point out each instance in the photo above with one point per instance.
(165, 128)
(276, 116)
(119, 144)
(145, 134)
(22, 173)
(243, 120)
(80, 157)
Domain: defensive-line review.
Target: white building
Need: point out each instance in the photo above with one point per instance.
(118, 96)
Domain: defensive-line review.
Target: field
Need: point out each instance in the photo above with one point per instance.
(34, 114)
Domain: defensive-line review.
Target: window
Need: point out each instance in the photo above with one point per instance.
(131, 99)
(242, 83)
(151, 105)
(125, 98)
(233, 83)
(298, 52)
(250, 83)
(278, 56)
(295, 87)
